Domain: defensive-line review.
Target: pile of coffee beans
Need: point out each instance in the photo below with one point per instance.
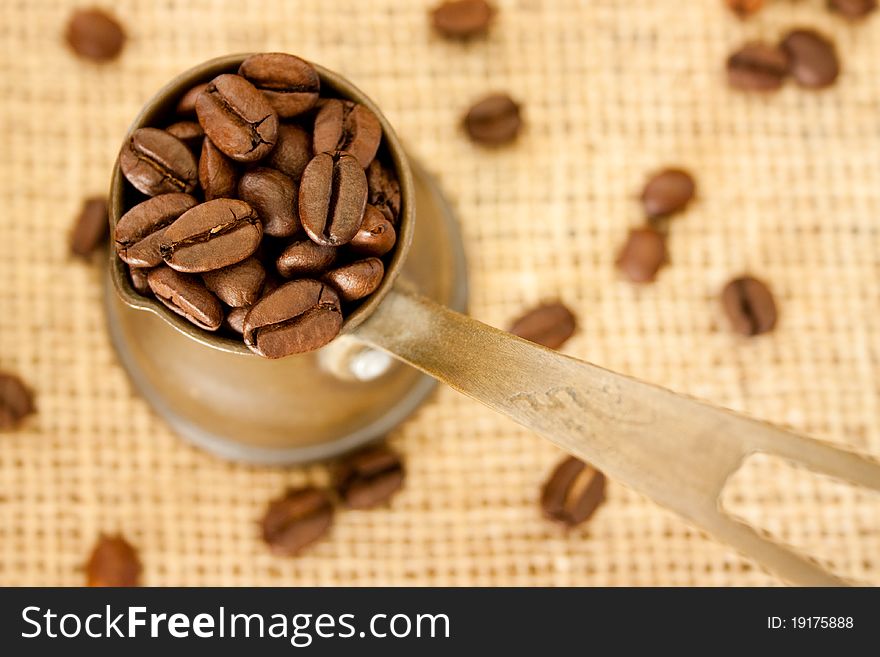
(263, 208)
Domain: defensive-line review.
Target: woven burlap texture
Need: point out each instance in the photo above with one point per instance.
(789, 190)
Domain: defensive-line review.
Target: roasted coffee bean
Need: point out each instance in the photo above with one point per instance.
(290, 84)
(757, 67)
(573, 492)
(342, 125)
(750, 306)
(16, 401)
(139, 282)
(139, 231)
(305, 258)
(357, 279)
(299, 316)
(113, 562)
(234, 320)
(643, 255)
(212, 235)
(292, 151)
(186, 106)
(187, 296)
(217, 173)
(550, 324)
(238, 285)
(189, 132)
(461, 19)
(297, 519)
(332, 198)
(384, 191)
(156, 162)
(237, 118)
(91, 227)
(376, 236)
(812, 57)
(668, 192)
(94, 34)
(744, 7)
(369, 478)
(274, 198)
(853, 8)
(493, 120)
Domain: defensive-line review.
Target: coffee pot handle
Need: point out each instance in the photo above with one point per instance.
(678, 451)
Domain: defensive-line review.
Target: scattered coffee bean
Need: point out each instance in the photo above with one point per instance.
(342, 125)
(273, 196)
(384, 190)
(189, 132)
(186, 106)
(290, 84)
(853, 8)
(94, 34)
(91, 227)
(749, 305)
(573, 492)
(217, 173)
(494, 120)
(297, 519)
(757, 67)
(292, 151)
(237, 118)
(461, 19)
(813, 59)
(235, 319)
(299, 316)
(139, 280)
(113, 562)
(237, 285)
(357, 279)
(332, 198)
(139, 231)
(212, 235)
(745, 8)
(550, 324)
(305, 258)
(369, 478)
(376, 236)
(643, 255)
(668, 192)
(187, 296)
(156, 162)
(16, 401)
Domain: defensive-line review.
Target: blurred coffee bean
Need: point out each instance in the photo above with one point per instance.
(342, 125)
(234, 320)
(376, 236)
(305, 258)
(138, 278)
(332, 198)
(237, 285)
(189, 132)
(573, 492)
(461, 19)
(749, 305)
(297, 519)
(16, 401)
(550, 324)
(139, 231)
(813, 59)
(744, 8)
(238, 118)
(186, 106)
(156, 162)
(217, 173)
(757, 67)
(384, 190)
(91, 228)
(643, 255)
(853, 8)
(290, 84)
(494, 120)
(668, 192)
(299, 316)
(292, 151)
(187, 296)
(113, 562)
(94, 34)
(357, 279)
(274, 198)
(369, 478)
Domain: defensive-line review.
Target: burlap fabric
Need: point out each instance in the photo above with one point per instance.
(789, 190)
